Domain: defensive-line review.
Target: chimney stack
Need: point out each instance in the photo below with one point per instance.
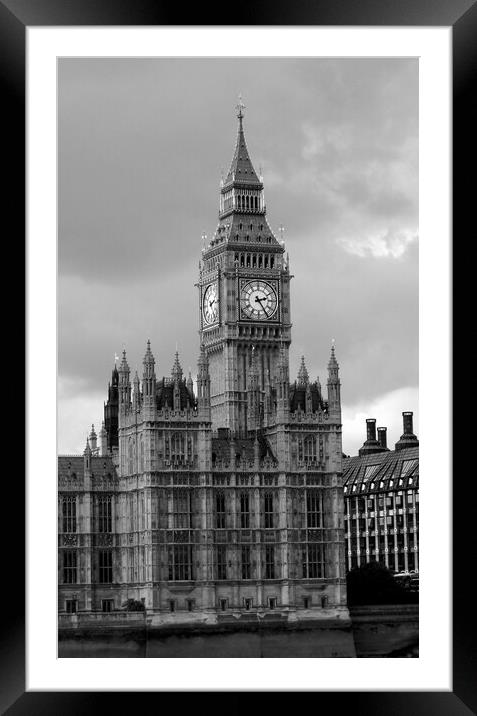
(407, 423)
(382, 438)
(371, 445)
(370, 429)
(407, 439)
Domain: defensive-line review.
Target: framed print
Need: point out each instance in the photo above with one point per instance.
(44, 50)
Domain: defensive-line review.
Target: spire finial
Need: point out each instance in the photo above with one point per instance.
(303, 378)
(240, 108)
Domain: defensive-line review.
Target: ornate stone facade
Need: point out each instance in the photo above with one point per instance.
(226, 501)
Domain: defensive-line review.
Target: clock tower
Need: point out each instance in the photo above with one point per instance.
(244, 298)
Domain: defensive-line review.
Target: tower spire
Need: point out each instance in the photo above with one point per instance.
(176, 372)
(303, 377)
(241, 170)
(240, 108)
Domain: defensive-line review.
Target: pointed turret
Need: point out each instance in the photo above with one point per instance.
(103, 441)
(111, 412)
(124, 383)
(334, 389)
(93, 440)
(303, 378)
(333, 365)
(148, 378)
(176, 372)
(241, 170)
(87, 457)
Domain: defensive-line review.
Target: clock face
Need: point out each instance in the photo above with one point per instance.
(210, 304)
(258, 300)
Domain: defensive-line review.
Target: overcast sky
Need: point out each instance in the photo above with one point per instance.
(142, 143)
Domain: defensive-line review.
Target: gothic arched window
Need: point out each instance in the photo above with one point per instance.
(309, 448)
(177, 446)
(69, 513)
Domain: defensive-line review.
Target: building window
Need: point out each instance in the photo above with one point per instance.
(221, 562)
(268, 509)
(177, 447)
(248, 603)
(306, 602)
(314, 561)
(246, 566)
(220, 510)
(180, 562)
(105, 566)
(105, 513)
(272, 602)
(244, 511)
(190, 605)
(223, 604)
(269, 562)
(181, 509)
(71, 606)
(69, 567)
(69, 513)
(309, 447)
(324, 602)
(172, 605)
(314, 509)
(107, 605)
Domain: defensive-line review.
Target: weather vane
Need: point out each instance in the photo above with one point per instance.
(240, 107)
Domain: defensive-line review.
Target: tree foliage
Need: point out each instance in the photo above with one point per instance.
(373, 583)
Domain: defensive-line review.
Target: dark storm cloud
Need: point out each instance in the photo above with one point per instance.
(141, 146)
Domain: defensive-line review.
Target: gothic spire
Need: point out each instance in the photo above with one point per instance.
(333, 365)
(123, 367)
(148, 358)
(176, 372)
(87, 450)
(241, 169)
(303, 378)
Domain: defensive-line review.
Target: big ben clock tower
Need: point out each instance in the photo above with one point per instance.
(244, 297)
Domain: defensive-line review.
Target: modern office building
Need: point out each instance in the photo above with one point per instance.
(381, 490)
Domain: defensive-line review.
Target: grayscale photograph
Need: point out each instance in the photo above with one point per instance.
(238, 357)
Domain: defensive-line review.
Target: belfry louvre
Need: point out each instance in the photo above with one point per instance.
(220, 498)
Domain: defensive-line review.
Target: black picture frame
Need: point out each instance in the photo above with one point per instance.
(15, 17)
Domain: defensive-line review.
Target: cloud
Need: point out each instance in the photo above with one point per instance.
(78, 407)
(382, 245)
(141, 144)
